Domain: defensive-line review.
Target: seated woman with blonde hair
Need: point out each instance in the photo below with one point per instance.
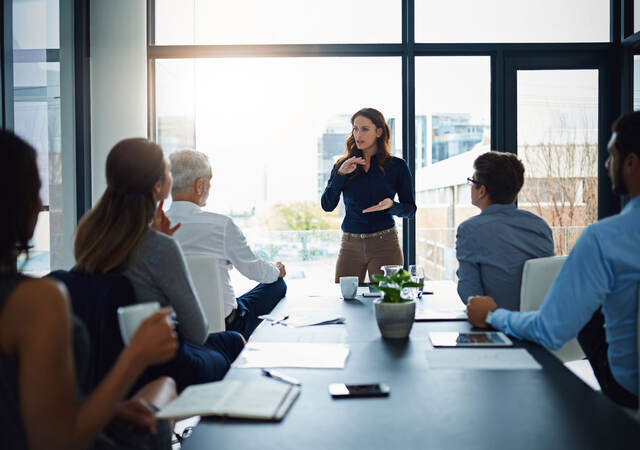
(43, 347)
(127, 232)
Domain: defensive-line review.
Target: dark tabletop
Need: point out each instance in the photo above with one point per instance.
(427, 408)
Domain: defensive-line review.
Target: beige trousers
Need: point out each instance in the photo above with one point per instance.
(358, 256)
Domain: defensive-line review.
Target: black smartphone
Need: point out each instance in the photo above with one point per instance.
(341, 390)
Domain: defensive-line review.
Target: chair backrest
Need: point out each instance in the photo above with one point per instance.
(205, 273)
(95, 300)
(537, 276)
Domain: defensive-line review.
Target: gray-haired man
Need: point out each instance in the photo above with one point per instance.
(216, 234)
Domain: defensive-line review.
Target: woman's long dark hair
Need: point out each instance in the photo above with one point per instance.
(19, 198)
(110, 231)
(384, 141)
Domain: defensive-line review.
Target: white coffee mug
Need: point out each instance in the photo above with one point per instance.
(130, 317)
(349, 286)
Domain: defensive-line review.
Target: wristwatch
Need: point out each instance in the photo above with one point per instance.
(489, 317)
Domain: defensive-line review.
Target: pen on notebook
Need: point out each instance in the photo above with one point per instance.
(280, 377)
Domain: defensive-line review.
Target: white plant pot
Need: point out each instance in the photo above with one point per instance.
(394, 319)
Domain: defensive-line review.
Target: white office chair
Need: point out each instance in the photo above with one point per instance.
(205, 273)
(537, 276)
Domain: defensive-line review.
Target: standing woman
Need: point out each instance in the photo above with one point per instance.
(369, 178)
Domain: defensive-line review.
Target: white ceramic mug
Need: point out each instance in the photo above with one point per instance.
(130, 317)
(349, 286)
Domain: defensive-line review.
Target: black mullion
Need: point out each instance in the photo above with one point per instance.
(610, 88)
(621, 19)
(276, 50)
(497, 101)
(471, 49)
(151, 22)
(6, 69)
(39, 55)
(82, 93)
(509, 133)
(624, 60)
(151, 99)
(151, 71)
(409, 122)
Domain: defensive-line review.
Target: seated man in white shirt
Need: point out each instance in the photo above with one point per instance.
(206, 232)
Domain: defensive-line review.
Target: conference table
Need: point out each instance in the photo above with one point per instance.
(428, 407)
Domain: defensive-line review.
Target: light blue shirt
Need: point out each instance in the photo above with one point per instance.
(603, 269)
(492, 248)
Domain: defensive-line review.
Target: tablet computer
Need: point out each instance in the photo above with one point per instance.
(469, 339)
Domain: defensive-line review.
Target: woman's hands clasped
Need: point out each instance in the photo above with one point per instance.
(350, 165)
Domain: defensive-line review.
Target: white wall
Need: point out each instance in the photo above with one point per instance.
(118, 79)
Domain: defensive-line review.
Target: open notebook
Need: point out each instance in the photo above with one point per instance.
(263, 399)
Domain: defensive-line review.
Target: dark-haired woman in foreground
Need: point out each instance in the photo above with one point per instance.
(127, 232)
(369, 178)
(39, 339)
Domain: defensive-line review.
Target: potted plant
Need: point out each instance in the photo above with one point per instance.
(396, 310)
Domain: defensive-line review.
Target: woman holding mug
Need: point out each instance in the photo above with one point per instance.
(368, 177)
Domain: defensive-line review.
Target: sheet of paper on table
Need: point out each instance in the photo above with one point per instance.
(481, 359)
(304, 319)
(292, 354)
(425, 313)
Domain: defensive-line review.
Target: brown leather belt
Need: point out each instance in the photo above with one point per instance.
(368, 235)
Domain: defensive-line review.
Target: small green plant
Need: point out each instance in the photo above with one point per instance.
(394, 284)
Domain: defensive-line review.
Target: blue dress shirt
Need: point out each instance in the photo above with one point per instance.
(603, 269)
(368, 189)
(492, 248)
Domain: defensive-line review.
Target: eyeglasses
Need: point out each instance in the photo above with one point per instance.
(472, 181)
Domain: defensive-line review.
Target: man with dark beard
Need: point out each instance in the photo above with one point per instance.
(595, 296)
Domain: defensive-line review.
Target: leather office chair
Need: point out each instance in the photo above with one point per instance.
(205, 273)
(537, 276)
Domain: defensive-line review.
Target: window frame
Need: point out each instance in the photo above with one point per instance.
(615, 86)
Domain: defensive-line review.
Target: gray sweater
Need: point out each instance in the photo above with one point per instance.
(158, 272)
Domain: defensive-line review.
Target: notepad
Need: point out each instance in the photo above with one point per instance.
(262, 399)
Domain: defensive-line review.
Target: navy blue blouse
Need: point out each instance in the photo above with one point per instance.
(368, 189)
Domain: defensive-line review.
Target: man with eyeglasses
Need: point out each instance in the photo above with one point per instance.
(493, 246)
(595, 296)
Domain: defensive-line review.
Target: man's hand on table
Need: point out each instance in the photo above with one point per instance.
(477, 310)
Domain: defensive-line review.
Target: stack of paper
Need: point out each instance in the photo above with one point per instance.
(303, 355)
(304, 319)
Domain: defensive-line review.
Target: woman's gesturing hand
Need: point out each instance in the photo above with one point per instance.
(155, 341)
(350, 165)
(162, 223)
(384, 204)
